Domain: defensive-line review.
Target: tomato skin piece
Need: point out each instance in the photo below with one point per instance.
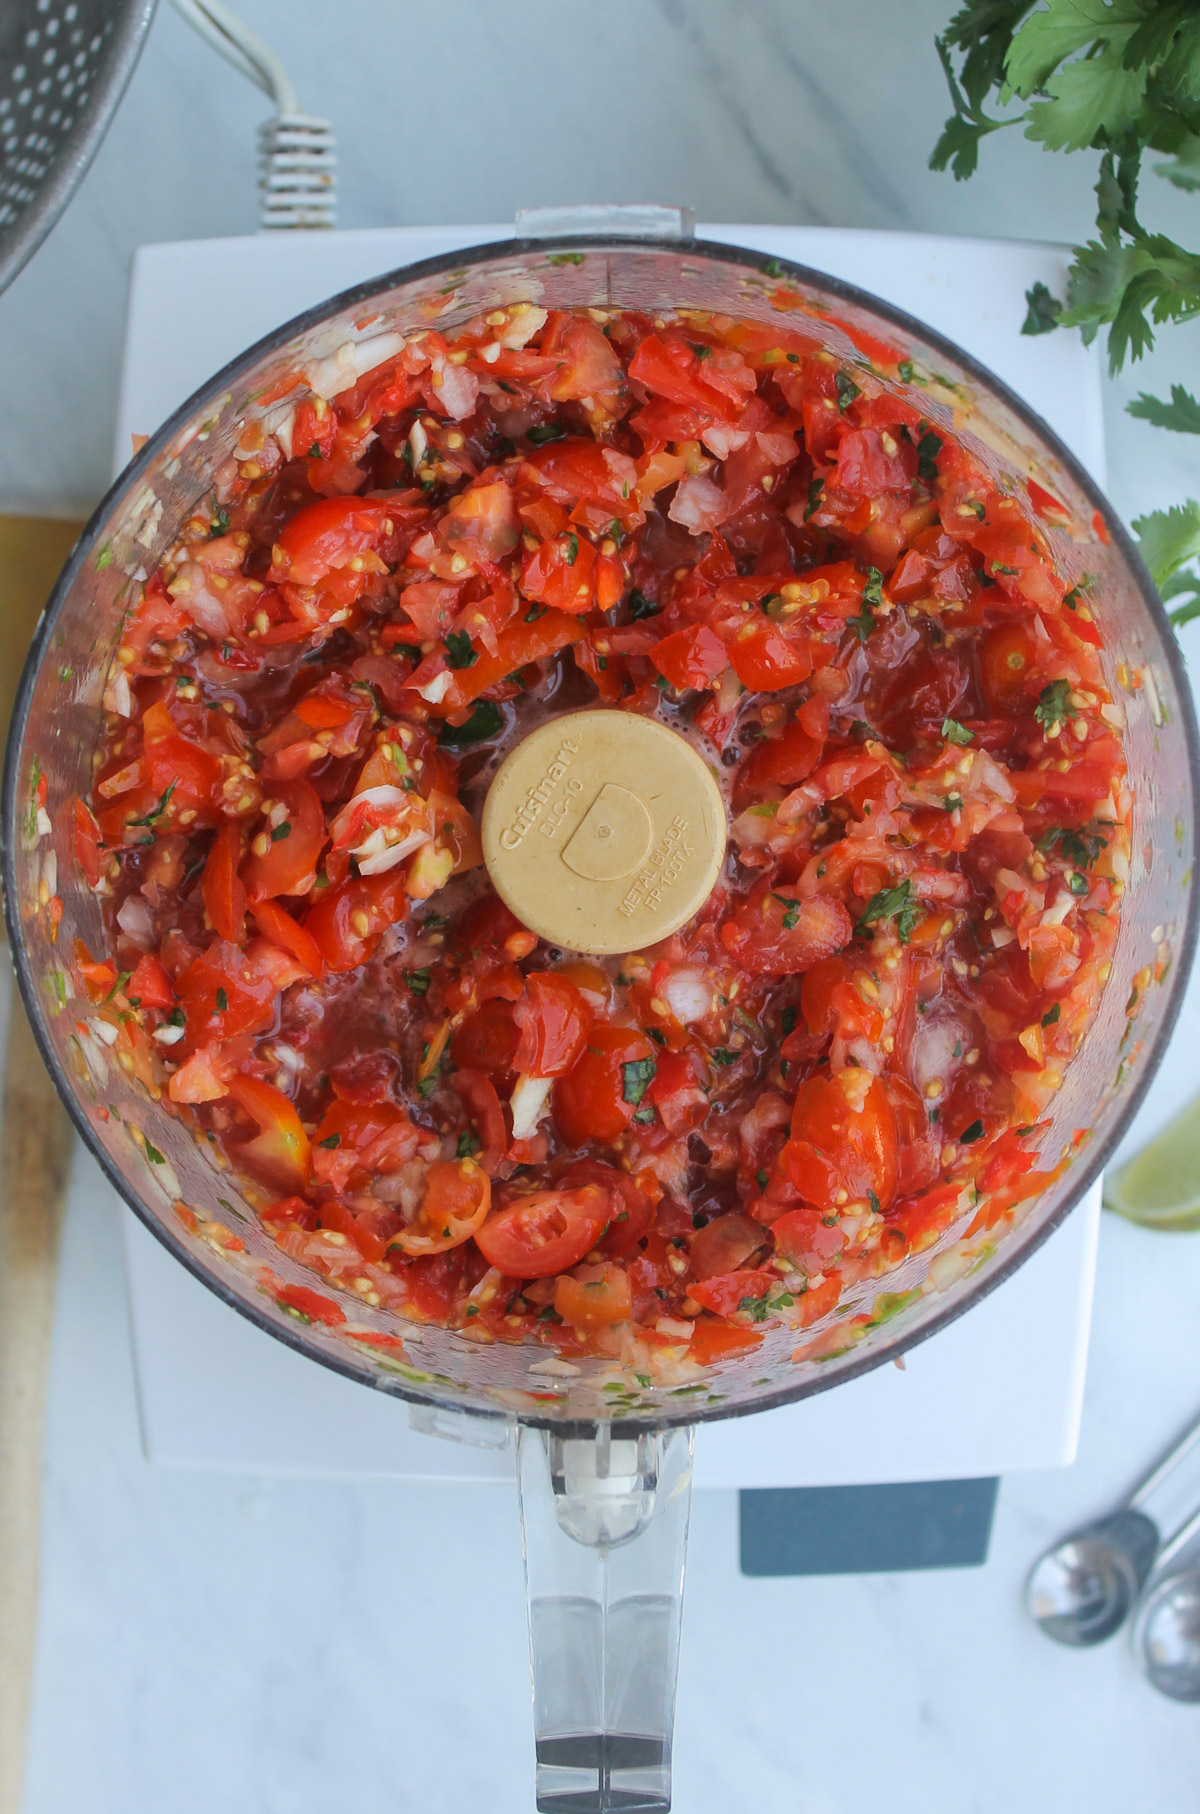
(765, 661)
(589, 1101)
(758, 938)
(554, 1021)
(487, 1041)
(289, 861)
(85, 840)
(457, 1197)
(780, 761)
(222, 974)
(690, 658)
(717, 1341)
(517, 646)
(725, 1293)
(173, 760)
(289, 935)
(346, 923)
(355, 1141)
(150, 986)
(1006, 658)
(280, 1151)
(726, 1244)
(844, 1138)
(594, 1297)
(221, 887)
(536, 1236)
(805, 1239)
(326, 536)
(311, 1305)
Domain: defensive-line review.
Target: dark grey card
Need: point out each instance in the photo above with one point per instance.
(855, 1530)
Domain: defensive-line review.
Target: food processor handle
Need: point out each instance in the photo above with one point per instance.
(604, 1523)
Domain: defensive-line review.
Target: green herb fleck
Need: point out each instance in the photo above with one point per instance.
(330, 1141)
(971, 1134)
(847, 391)
(640, 606)
(468, 1145)
(928, 449)
(791, 907)
(1054, 705)
(816, 487)
(637, 1075)
(280, 831)
(1051, 1019)
(485, 721)
(899, 904)
(542, 432)
(418, 981)
(222, 1001)
(954, 732)
(459, 652)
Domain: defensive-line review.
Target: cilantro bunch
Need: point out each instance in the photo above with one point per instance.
(1121, 77)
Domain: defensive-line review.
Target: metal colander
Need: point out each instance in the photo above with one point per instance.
(63, 68)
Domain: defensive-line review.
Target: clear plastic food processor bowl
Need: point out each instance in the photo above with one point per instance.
(604, 1467)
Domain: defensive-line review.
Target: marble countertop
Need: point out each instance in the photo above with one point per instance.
(269, 1646)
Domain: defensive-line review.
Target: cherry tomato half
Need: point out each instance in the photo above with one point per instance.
(544, 1233)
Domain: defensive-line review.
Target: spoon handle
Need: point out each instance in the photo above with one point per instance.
(1161, 1468)
(1178, 1540)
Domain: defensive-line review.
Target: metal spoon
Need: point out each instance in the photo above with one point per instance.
(1084, 1589)
(1166, 1636)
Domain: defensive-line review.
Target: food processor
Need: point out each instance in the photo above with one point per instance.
(604, 1456)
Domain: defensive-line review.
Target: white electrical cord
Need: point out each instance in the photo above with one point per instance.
(296, 157)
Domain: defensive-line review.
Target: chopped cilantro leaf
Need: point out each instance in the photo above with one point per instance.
(485, 721)
(816, 487)
(971, 1134)
(723, 1055)
(637, 1076)
(330, 1141)
(468, 1145)
(542, 432)
(899, 904)
(847, 391)
(928, 449)
(791, 910)
(280, 831)
(787, 1020)
(954, 732)
(418, 981)
(534, 612)
(640, 606)
(1051, 1019)
(459, 652)
(222, 1001)
(1054, 704)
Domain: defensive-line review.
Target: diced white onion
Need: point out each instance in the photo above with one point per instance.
(117, 695)
(104, 1029)
(675, 1328)
(529, 1100)
(689, 997)
(169, 1036)
(522, 325)
(136, 922)
(435, 690)
(352, 361)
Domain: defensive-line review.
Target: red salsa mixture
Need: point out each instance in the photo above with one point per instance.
(447, 540)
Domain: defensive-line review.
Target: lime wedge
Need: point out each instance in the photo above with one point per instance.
(1160, 1186)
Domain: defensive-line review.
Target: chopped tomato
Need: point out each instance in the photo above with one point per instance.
(594, 1297)
(536, 1236)
(553, 1019)
(844, 1141)
(598, 1097)
(222, 888)
(283, 854)
(280, 1151)
(769, 547)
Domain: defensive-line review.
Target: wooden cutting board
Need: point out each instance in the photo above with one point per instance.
(35, 1152)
